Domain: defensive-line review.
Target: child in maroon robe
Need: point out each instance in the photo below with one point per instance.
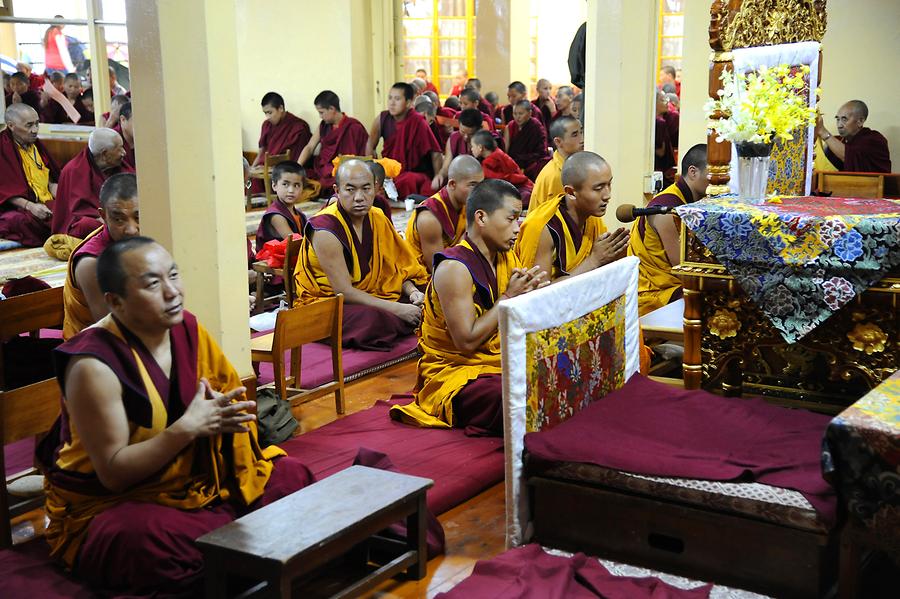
(498, 165)
(527, 140)
(280, 132)
(19, 92)
(282, 218)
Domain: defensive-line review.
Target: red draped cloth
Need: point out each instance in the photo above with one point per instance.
(500, 166)
(347, 137)
(410, 142)
(76, 210)
(290, 134)
(865, 152)
(528, 146)
(17, 224)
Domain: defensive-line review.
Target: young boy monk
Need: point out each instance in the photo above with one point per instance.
(282, 218)
(498, 165)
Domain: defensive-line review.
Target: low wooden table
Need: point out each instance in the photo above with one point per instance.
(305, 530)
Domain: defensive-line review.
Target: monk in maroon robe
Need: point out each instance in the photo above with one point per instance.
(664, 150)
(125, 128)
(20, 93)
(409, 141)
(337, 135)
(28, 176)
(855, 148)
(544, 103)
(515, 93)
(470, 122)
(527, 140)
(429, 113)
(282, 217)
(77, 209)
(280, 132)
(497, 164)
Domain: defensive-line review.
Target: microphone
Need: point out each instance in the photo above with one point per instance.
(627, 212)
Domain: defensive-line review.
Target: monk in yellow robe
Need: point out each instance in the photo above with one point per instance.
(440, 221)
(655, 239)
(458, 379)
(154, 446)
(349, 247)
(566, 134)
(83, 301)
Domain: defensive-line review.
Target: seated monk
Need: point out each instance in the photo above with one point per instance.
(111, 118)
(337, 134)
(429, 85)
(515, 93)
(655, 239)
(425, 107)
(76, 211)
(351, 249)
(855, 148)
(469, 98)
(51, 110)
(83, 302)
(474, 83)
(154, 446)
(498, 165)
(19, 93)
(409, 141)
(567, 138)
(564, 98)
(381, 200)
(458, 376)
(281, 132)
(493, 100)
(440, 221)
(87, 108)
(125, 128)
(544, 103)
(526, 140)
(665, 139)
(282, 218)
(470, 121)
(28, 176)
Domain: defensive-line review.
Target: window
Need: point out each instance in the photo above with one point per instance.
(671, 34)
(439, 36)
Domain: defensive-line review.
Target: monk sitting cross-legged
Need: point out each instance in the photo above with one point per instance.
(440, 221)
(351, 249)
(526, 139)
(458, 381)
(498, 165)
(76, 211)
(567, 139)
(119, 212)
(154, 446)
(281, 132)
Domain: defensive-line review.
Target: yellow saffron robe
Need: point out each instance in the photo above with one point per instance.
(443, 370)
(548, 184)
(379, 263)
(656, 283)
(221, 467)
(76, 312)
(452, 221)
(37, 173)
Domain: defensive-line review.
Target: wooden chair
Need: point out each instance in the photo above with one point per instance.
(269, 162)
(851, 185)
(294, 328)
(266, 272)
(24, 412)
(28, 313)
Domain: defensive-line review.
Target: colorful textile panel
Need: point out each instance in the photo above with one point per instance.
(799, 259)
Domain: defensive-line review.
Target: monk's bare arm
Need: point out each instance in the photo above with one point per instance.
(437, 161)
(506, 137)
(308, 150)
(453, 284)
(544, 256)
(281, 226)
(445, 162)
(374, 136)
(94, 401)
(831, 142)
(430, 236)
(86, 280)
(669, 235)
(37, 209)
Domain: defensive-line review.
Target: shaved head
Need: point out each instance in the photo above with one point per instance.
(575, 169)
(859, 108)
(433, 97)
(19, 111)
(22, 121)
(350, 167)
(103, 139)
(464, 167)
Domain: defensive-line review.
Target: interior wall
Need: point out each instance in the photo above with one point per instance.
(492, 45)
(694, 74)
(557, 22)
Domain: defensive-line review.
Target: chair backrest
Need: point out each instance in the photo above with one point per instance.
(273, 159)
(313, 322)
(31, 311)
(852, 185)
(291, 253)
(28, 411)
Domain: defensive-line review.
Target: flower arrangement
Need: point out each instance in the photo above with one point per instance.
(762, 106)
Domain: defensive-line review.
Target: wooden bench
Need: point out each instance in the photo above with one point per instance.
(330, 518)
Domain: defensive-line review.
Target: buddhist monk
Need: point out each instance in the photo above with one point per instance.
(381, 199)
(409, 141)
(429, 85)
(119, 211)
(35, 81)
(154, 446)
(470, 122)
(125, 128)
(28, 176)
(20, 93)
(425, 107)
(87, 108)
(526, 140)
(564, 97)
(458, 377)
(418, 85)
(567, 137)
(53, 111)
(111, 118)
(282, 218)
(77, 209)
(440, 221)
(452, 103)
(459, 82)
(855, 148)
(351, 249)
(544, 102)
(668, 76)
(498, 165)
(578, 108)
(337, 134)
(665, 140)
(469, 98)
(655, 239)
(281, 132)
(474, 83)
(515, 93)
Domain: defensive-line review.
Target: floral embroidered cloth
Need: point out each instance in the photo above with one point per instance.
(862, 460)
(799, 259)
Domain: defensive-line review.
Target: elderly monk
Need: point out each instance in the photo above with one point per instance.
(154, 446)
(28, 176)
(83, 301)
(526, 140)
(338, 134)
(567, 138)
(409, 141)
(281, 132)
(544, 103)
(855, 148)
(458, 379)
(459, 142)
(350, 248)
(19, 93)
(76, 212)
(515, 93)
(440, 221)
(656, 240)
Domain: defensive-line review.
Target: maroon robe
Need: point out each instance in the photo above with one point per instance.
(76, 210)
(543, 113)
(865, 152)
(440, 133)
(129, 149)
(445, 112)
(528, 146)
(54, 113)
(485, 107)
(266, 232)
(410, 142)
(347, 137)
(458, 145)
(429, 87)
(505, 113)
(32, 98)
(17, 224)
(290, 134)
(665, 163)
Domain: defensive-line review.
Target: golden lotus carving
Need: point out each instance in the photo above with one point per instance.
(868, 338)
(724, 324)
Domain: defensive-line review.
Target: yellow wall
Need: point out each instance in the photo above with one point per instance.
(694, 74)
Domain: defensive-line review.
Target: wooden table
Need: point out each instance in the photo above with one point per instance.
(305, 530)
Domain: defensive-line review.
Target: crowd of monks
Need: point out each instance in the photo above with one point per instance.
(155, 445)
